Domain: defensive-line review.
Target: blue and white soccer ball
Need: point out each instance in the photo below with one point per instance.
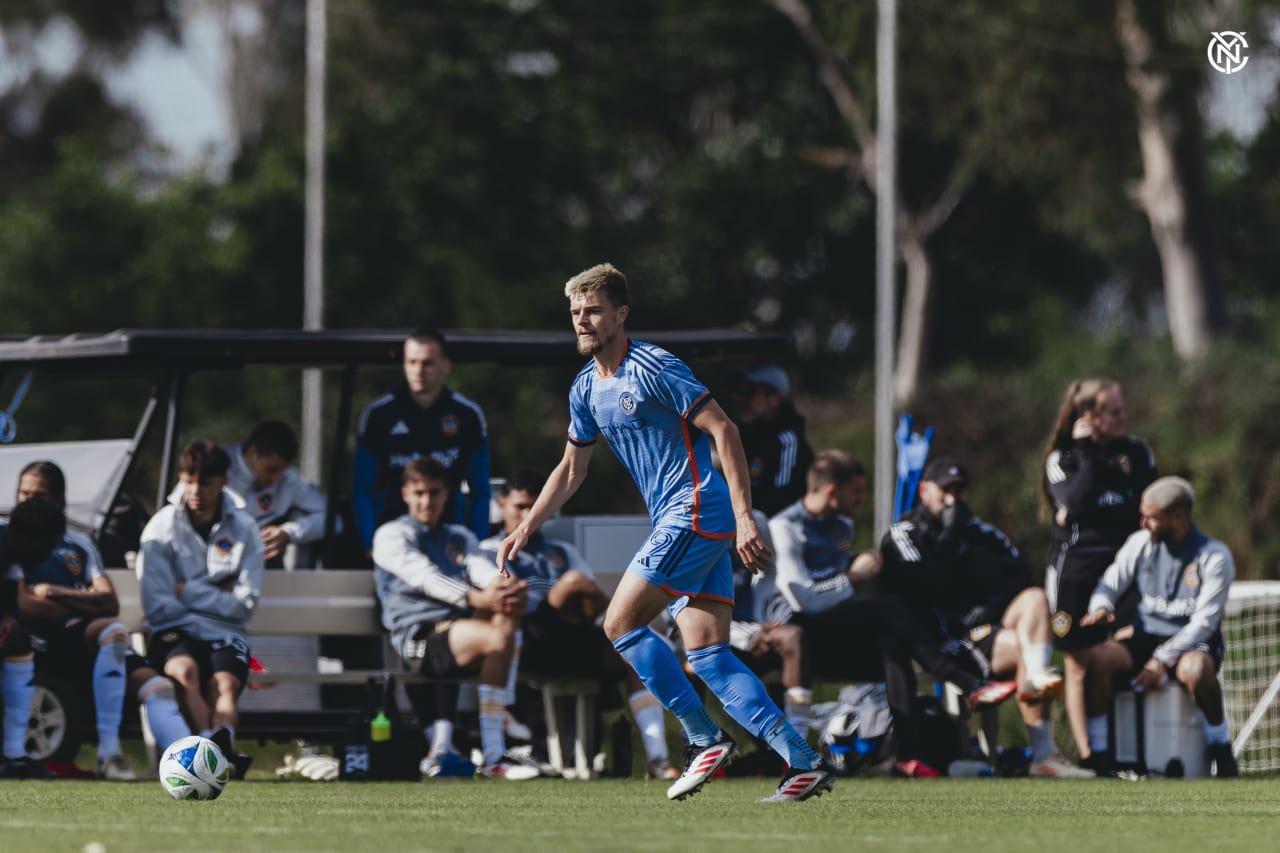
(193, 768)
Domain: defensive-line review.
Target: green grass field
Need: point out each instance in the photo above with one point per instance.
(557, 815)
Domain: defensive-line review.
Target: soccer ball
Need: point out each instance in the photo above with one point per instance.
(193, 768)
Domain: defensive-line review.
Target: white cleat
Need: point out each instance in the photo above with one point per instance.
(1044, 686)
(700, 764)
(799, 785)
(1055, 766)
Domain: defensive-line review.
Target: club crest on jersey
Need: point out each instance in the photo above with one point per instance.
(627, 403)
(556, 558)
(756, 466)
(265, 500)
(1191, 576)
(1061, 623)
(978, 633)
(453, 553)
(73, 563)
(170, 636)
(1125, 463)
(449, 425)
(223, 544)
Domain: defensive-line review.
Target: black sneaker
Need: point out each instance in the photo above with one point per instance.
(799, 785)
(221, 737)
(1224, 761)
(700, 764)
(25, 768)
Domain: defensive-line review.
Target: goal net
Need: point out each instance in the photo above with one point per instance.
(1251, 673)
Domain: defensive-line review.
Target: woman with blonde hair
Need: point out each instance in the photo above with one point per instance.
(1094, 474)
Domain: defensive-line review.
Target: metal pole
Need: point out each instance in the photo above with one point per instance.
(886, 255)
(313, 264)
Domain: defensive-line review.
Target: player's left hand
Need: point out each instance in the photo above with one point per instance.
(1152, 675)
(274, 540)
(41, 590)
(755, 554)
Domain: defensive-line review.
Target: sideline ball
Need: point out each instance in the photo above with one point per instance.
(193, 768)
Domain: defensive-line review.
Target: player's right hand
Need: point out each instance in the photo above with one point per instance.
(1102, 614)
(509, 547)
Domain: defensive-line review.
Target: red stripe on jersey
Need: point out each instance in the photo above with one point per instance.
(604, 375)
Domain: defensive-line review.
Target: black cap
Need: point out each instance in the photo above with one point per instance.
(946, 473)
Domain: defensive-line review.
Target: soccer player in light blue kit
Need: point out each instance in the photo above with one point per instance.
(657, 417)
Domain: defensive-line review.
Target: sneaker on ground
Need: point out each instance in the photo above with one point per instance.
(221, 737)
(660, 768)
(798, 785)
(516, 730)
(1224, 761)
(508, 769)
(113, 768)
(990, 693)
(1044, 686)
(915, 769)
(25, 768)
(447, 765)
(524, 755)
(700, 764)
(1056, 766)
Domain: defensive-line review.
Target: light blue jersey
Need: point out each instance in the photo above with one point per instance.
(644, 410)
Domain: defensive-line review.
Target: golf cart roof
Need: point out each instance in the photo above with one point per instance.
(196, 349)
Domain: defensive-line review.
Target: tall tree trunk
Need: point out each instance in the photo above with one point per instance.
(1173, 192)
(915, 314)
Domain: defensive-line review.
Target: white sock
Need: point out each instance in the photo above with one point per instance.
(1036, 657)
(17, 687)
(163, 715)
(441, 734)
(796, 704)
(649, 720)
(493, 743)
(509, 695)
(109, 687)
(1097, 729)
(1221, 733)
(1041, 740)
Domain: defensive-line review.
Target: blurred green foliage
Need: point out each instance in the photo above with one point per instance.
(480, 152)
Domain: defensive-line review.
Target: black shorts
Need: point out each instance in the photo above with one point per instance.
(62, 649)
(1141, 646)
(230, 654)
(14, 641)
(554, 647)
(1070, 584)
(429, 652)
(844, 642)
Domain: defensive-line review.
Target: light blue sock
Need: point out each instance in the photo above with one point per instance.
(109, 686)
(660, 671)
(163, 715)
(17, 687)
(746, 700)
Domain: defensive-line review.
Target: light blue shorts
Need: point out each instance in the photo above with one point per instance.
(683, 562)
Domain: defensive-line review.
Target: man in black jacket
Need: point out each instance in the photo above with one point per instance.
(962, 577)
(778, 454)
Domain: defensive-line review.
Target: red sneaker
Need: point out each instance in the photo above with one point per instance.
(915, 769)
(991, 693)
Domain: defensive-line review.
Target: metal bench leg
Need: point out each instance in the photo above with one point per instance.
(582, 737)
(554, 755)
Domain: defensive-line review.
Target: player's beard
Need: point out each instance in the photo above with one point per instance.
(592, 345)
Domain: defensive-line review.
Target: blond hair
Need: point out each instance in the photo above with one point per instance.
(604, 278)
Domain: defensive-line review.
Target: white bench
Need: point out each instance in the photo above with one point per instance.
(343, 602)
